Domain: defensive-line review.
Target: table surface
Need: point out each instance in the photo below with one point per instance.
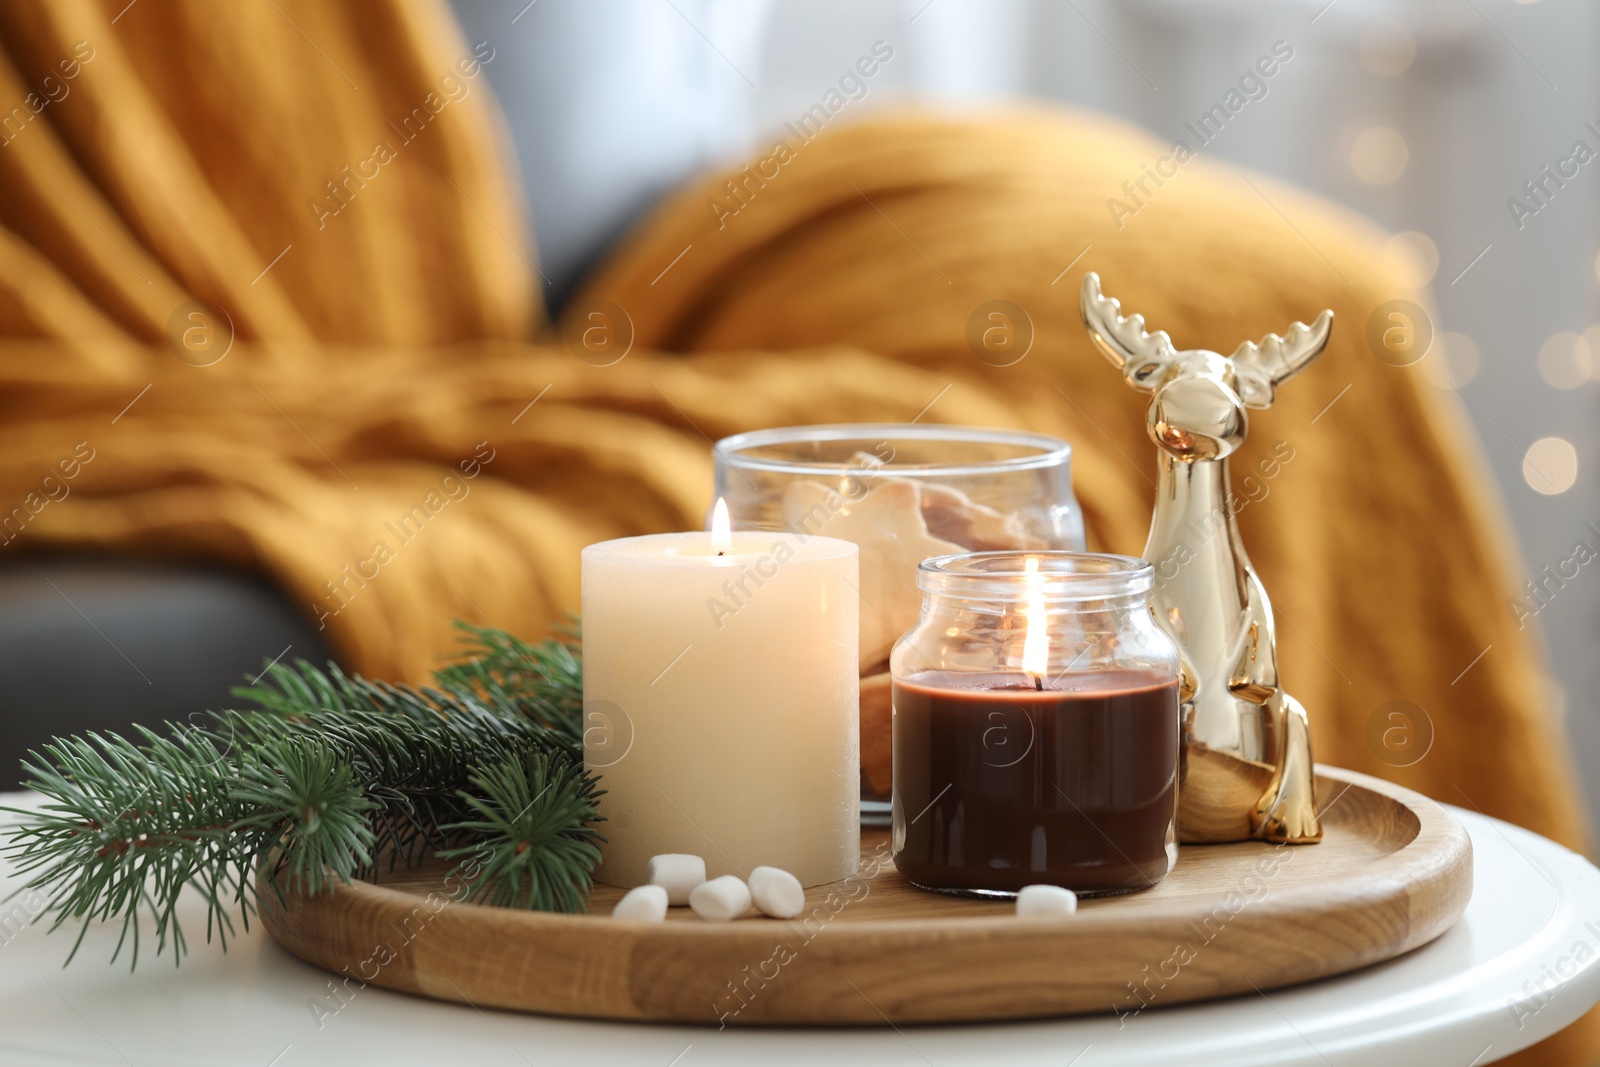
(1523, 962)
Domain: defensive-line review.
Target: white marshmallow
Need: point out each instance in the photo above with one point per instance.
(678, 873)
(721, 899)
(776, 892)
(1046, 900)
(645, 903)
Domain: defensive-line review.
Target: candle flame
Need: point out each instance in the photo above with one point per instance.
(721, 528)
(1036, 643)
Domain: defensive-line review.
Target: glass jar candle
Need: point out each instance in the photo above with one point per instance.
(1036, 732)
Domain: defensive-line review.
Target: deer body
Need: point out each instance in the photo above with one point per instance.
(1247, 767)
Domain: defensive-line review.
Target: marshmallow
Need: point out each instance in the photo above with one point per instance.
(678, 873)
(1046, 900)
(776, 892)
(645, 903)
(720, 899)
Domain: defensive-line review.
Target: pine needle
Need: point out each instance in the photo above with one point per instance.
(318, 783)
(531, 839)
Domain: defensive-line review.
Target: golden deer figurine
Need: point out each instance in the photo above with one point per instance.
(1246, 769)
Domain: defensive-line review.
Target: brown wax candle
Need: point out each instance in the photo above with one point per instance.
(1000, 784)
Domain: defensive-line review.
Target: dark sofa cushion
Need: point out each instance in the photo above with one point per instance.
(92, 644)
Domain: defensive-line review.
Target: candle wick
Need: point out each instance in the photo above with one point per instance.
(1038, 683)
(720, 552)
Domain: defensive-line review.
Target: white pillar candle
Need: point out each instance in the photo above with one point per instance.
(721, 702)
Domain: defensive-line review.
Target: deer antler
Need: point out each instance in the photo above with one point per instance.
(1139, 355)
(1260, 369)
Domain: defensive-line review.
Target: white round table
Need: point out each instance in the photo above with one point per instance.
(1523, 962)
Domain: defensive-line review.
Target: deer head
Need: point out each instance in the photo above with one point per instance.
(1197, 398)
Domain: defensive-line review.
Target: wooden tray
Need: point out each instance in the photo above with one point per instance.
(1393, 872)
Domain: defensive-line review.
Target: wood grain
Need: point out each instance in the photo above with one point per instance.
(1393, 872)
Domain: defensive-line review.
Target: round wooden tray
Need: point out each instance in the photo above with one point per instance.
(1393, 872)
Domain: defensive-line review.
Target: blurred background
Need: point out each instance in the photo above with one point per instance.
(1429, 116)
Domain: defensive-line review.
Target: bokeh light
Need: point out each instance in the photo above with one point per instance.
(1550, 466)
(1453, 361)
(1379, 155)
(1565, 361)
(1591, 337)
(1412, 257)
(1387, 48)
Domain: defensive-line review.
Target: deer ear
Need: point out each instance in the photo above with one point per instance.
(1254, 388)
(1143, 374)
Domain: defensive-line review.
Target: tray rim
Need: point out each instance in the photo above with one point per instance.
(1438, 854)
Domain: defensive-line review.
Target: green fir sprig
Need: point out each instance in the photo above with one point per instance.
(528, 811)
(328, 778)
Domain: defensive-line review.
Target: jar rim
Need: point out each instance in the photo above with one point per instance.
(1060, 575)
(1052, 451)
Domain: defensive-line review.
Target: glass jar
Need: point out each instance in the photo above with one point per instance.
(976, 489)
(902, 493)
(1036, 732)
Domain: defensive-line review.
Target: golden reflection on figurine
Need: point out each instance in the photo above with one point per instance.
(1246, 757)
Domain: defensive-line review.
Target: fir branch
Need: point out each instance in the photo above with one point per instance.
(411, 751)
(542, 682)
(304, 796)
(533, 842)
(322, 777)
(129, 825)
